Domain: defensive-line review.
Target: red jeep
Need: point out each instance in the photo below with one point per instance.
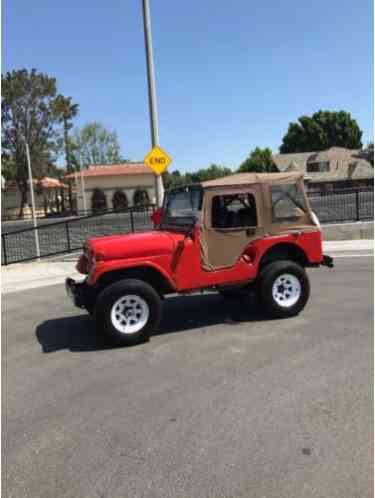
(242, 233)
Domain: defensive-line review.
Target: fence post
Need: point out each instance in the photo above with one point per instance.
(132, 219)
(4, 249)
(68, 236)
(357, 204)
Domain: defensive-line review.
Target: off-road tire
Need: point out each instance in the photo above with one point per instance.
(266, 288)
(104, 310)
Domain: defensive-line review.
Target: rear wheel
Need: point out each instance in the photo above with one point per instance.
(128, 312)
(283, 289)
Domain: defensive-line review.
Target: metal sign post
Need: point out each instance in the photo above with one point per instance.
(32, 201)
(159, 189)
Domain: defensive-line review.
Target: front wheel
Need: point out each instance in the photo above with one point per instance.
(283, 289)
(128, 312)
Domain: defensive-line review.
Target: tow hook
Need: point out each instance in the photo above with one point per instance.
(327, 261)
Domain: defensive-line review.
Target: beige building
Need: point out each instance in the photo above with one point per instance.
(114, 186)
(335, 168)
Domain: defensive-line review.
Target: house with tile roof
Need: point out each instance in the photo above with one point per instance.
(114, 186)
(332, 169)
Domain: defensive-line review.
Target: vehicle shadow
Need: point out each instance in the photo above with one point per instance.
(78, 333)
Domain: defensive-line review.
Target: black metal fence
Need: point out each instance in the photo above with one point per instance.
(343, 205)
(69, 235)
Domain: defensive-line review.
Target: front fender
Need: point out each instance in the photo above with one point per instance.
(103, 267)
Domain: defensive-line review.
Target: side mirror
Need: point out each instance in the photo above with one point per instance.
(156, 217)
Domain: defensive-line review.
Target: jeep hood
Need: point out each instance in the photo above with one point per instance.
(134, 245)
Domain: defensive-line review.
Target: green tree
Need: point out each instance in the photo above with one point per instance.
(8, 167)
(211, 173)
(259, 161)
(174, 179)
(368, 153)
(322, 130)
(28, 116)
(95, 144)
(65, 111)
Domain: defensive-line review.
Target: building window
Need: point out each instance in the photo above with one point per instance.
(318, 167)
(98, 200)
(234, 211)
(119, 200)
(141, 198)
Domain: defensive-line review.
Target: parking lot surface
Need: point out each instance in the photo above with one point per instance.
(219, 404)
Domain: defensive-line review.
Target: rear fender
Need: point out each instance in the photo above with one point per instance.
(304, 248)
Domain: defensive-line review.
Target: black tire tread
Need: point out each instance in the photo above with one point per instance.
(114, 291)
(264, 288)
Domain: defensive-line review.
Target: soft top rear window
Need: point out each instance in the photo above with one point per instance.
(288, 203)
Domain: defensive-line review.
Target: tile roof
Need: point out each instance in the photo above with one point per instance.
(345, 164)
(114, 170)
(45, 182)
(249, 178)
(48, 182)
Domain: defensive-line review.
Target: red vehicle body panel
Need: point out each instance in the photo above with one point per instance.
(178, 258)
(134, 245)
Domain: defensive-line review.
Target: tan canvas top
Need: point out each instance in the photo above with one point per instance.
(221, 247)
(251, 178)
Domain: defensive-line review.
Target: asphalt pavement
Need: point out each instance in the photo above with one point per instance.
(220, 403)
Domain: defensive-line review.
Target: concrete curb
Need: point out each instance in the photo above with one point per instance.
(348, 245)
(360, 230)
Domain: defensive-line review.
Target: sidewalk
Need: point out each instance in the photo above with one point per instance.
(22, 276)
(348, 245)
(36, 274)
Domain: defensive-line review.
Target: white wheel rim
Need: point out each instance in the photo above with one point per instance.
(286, 290)
(129, 314)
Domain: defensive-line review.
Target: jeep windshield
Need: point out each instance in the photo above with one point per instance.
(181, 207)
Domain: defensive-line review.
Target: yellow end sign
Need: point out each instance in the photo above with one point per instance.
(158, 160)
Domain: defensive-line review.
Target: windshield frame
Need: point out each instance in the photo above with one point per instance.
(181, 223)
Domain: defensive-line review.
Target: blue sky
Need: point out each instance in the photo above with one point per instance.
(230, 75)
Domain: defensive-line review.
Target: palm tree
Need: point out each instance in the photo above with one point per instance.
(66, 110)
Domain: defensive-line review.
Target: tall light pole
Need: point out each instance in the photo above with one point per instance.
(152, 94)
(32, 200)
(82, 183)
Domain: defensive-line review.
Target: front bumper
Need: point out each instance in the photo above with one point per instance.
(327, 261)
(82, 294)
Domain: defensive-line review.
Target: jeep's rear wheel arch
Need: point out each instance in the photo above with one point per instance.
(284, 251)
(147, 274)
(283, 289)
